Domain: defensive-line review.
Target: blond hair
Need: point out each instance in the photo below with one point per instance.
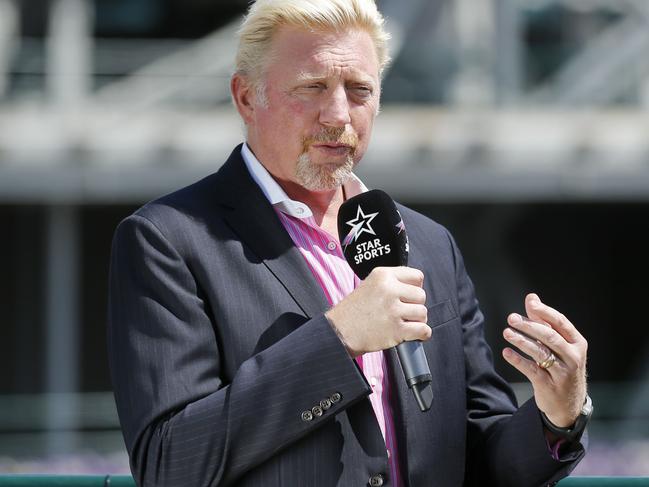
(265, 16)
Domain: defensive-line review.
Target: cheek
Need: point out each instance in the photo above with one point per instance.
(296, 109)
(287, 116)
(363, 124)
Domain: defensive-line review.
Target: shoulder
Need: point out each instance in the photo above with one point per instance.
(177, 215)
(431, 244)
(423, 228)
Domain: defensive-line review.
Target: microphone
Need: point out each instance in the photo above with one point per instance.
(372, 235)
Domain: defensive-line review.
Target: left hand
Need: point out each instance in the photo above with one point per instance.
(559, 390)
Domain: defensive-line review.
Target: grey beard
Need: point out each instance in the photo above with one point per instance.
(321, 178)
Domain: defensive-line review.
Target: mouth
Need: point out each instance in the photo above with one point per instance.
(334, 148)
(332, 142)
(333, 145)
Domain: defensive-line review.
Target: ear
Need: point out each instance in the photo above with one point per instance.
(243, 96)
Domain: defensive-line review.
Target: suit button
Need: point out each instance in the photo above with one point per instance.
(376, 480)
(336, 397)
(307, 416)
(325, 404)
(317, 411)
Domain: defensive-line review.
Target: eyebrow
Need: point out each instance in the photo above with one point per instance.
(305, 76)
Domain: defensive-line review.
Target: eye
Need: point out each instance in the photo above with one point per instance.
(309, 89)
(314, 86)
(362, 91)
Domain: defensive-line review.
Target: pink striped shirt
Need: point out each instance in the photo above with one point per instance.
(324, 257)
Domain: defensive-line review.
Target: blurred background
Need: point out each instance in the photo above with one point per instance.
(522, 125)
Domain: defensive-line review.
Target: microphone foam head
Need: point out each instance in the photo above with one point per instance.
(372, 233)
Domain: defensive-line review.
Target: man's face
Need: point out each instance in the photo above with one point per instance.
(322, 93)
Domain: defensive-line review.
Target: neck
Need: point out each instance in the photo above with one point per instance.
(323, 204)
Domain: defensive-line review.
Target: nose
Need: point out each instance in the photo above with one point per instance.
(334, 111)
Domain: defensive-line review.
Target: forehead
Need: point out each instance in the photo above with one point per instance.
(322, 53)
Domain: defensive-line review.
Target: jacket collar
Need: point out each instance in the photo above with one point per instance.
(251, 216)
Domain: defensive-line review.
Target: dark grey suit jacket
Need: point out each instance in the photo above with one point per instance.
(218, 343)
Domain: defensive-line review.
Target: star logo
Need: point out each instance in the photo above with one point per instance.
(360, 224)
(402, 228)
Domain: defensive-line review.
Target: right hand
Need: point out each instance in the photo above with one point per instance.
(387, 308)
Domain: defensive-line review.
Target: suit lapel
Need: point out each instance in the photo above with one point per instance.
(252, 217)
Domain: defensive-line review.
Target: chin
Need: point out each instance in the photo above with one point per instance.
(321, 185)
(327, 176)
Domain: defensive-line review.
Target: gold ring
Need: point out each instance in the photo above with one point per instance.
(548, 362)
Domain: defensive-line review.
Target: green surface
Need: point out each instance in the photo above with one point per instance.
(604, 482)
(127, 481)
(66, 480)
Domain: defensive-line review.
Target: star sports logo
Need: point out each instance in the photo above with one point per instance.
(360, 224)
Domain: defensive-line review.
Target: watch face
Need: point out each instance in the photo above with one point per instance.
(587, 408)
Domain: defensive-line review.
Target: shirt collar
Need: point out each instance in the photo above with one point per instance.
(278, 197)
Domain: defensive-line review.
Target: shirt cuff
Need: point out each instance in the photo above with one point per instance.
(555, 447)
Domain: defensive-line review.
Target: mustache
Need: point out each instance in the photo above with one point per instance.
(332, 135)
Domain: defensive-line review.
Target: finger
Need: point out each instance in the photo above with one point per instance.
(532, 348)
(413, 312)
(545, 334)
(411, 294)
(525, 366)
(409, 275)
(554, 318)
(531, 311)
(416, 331)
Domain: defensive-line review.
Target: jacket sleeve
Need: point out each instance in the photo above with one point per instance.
(183, 423)
(506, 445)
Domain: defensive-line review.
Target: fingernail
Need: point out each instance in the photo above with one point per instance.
(515, 318)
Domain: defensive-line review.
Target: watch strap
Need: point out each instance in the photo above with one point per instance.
(572, 433)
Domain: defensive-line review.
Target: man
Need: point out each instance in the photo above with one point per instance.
(243, 350)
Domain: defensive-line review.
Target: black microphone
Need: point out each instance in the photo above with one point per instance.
(372, 235)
